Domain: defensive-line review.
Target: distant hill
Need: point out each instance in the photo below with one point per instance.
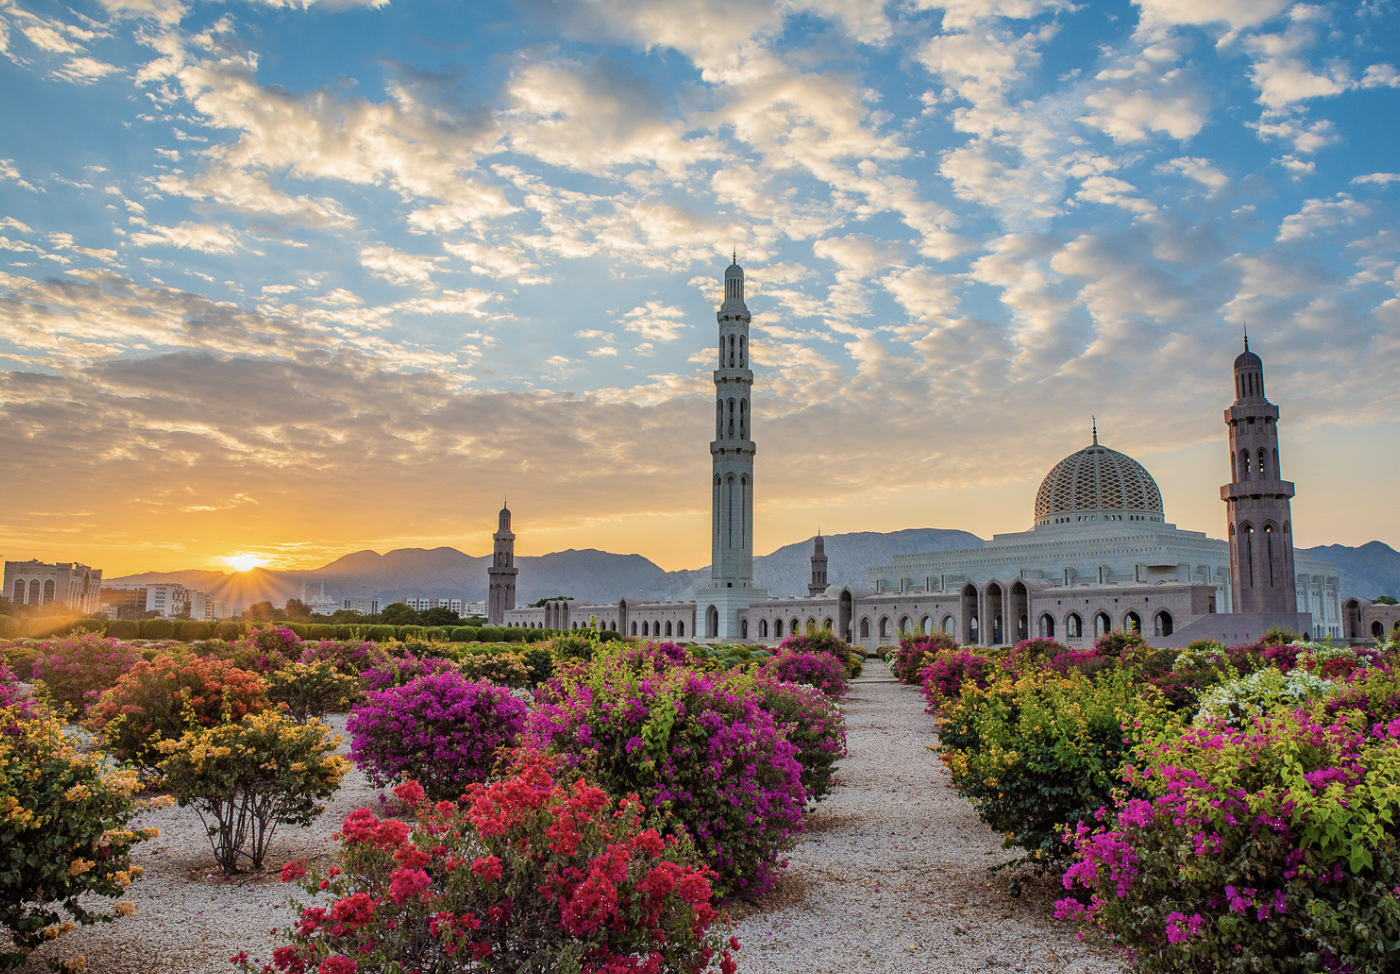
(588, 575)
(1370, 570)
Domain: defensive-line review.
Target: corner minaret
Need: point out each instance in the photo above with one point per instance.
(502, 572)
(818, 584)
(1257, 499)
(731, 482)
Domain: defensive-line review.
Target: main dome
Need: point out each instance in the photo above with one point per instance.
(1098, 484)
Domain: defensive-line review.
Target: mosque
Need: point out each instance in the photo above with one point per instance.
(1100, 555)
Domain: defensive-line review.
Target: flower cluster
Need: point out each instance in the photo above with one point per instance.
(811, 720)
(943, 679)
(915, 652)
(821, 670)
(440, 729)
(76, 669)
(1261, 692)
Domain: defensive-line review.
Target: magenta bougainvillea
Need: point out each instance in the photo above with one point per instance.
(821, 670)
(942, 680)
(440, 729)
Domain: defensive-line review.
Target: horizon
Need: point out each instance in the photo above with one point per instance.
(283, 283)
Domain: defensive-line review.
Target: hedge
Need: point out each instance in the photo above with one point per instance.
(319, 632)
(192, 629)
(464, 634)
(490, 634)
(123, 629)
(157, 629)
(228, 631)
(347, 632)
(297, 627)
(534, 635)
(9, 627)
(379, 634)
(417, 632)
(439, 634)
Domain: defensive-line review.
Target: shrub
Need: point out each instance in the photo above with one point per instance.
(1035, 753)
(191, 630)
(9, 627)
(76, 669)
(821, 670)
(464, 634)
(441, 729)
(513, 634)
(319, 632)
(691, 747)
(297, 628)
(415, 632)
(502, 669)
(351, 657)
(276, 641)
(582, 645)
(1033, 654)
(1265, 691)
(398, 671)
(123, 629)
(943, 678)
(1269, 848)
(812, 722)
(540, 664)
(350, 632)
(63, 819)
(826, 641)
(1121, 645)
(228, 631)
(246, 778)
(379, 634)
(438, 634)
(157, 629)
(489, 634)
(908, 659)
(160, 700)
(312, 689)
(20, 660)
(1374, 694)
(535, 635)
(526, 875)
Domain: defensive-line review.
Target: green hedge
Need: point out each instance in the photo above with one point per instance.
(192, 629)
(439, 634)
(157, 629)
(417, 632)
(297, 627)
(490, 634)
(318, 632)
(609, 636)
(464, 634)
(228, 631)
(379, 634)
(534, 635)
(123, 629)
(9, 627)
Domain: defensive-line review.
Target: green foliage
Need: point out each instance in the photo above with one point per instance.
(513, 634)
(580, 644)
(464, 634)
(124, 629)
(320, 632)
(312, 689)
(379, 634)
(228, 631)
(157, 629)
(502, 669)
(63, 835)
(410, 632)
(300, 628)
(9, 627)
(192, 630)
(539, 662)
(160, 700)
(399, 614)
(438, 634)
(1385, 600)
(246, 778)
(350, 632)
(1037, 753)
(490, 634)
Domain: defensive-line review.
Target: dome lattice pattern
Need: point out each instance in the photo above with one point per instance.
(1097, 479)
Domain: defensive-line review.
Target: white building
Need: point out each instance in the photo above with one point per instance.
(361, 604)
(38, 583)
(171, 600)
(422, 604)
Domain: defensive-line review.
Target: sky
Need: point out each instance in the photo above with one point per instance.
(286, 280)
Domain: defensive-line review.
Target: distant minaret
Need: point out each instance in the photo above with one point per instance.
(1257, 498)
(732, 450)
(502, 573)
(818, 584)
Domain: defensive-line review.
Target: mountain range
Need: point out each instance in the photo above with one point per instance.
(600, 576)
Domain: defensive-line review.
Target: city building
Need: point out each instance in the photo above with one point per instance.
(422, 604)
(361, 604)
(1100, 555)
(1370, 620)
(320, 604)
(38, 583)
(169, 600)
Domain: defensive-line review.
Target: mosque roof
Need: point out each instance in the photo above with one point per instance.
(1098, 479)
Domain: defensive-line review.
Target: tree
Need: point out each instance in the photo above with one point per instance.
(441, 616)
(399, 614)
(297, 609)
(1385, 600)
(258, 612)
(539, 603)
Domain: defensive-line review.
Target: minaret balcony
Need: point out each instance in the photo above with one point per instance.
(1257, 488)
(734, 375)
(734, 446)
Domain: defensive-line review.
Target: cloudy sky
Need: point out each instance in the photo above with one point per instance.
(292, 279)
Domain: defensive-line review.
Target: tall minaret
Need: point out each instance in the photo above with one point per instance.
(1257, 498)
(731, 484)
(732, 449)
(818, 584)
(502, 573)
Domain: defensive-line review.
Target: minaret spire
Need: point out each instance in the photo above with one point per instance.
(1095, 421)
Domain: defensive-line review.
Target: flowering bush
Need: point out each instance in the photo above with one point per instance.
(1373, 693)
(811, 720)
(825, 641)
(309, 690)
(1264, 691)
(906, 661)
(1121, 645)
(943, 678)
(9, 688)
(1032, 654)
(246, 778)
(349, 656)
(526, 875)
(164, 698)
(441, 729)
(76, 669)
(261, 651)
(692, 746)
(1269, 848)
(399, 671)
(504, 669)
(63, 818)
(821, 670)
(1035, 753)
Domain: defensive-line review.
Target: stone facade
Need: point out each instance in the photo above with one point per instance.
(500, 597)
(1370, 620)
(38, 583)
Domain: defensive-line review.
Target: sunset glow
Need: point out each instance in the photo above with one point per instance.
(243, 563)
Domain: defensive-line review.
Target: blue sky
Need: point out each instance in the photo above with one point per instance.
(297, 279)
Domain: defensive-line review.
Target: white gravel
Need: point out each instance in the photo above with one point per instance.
(892, 878)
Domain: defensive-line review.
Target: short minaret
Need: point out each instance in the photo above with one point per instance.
(818, 584)
(1257, 499)
(502, 573)
(732, 482)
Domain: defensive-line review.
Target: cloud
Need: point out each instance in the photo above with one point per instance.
(657, 321)
(1237, 15)
(1376, 178)
(501, 261)
(397, 267)
(8, 171)
(1201, 170)
(1319, 214)
(1111, 191)
(84, 70)
(203, 237)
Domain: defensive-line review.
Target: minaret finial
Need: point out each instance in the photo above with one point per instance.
(1095, 421)
(1246, 336)
(734, 257)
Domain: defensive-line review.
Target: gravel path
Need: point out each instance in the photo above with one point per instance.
(890, 879)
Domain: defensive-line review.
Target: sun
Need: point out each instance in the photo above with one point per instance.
(244, 562)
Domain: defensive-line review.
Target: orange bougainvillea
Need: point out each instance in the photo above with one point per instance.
(164, 698)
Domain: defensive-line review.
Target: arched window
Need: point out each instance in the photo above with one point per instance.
(1132, 623)
(1269, 550)
(1277, 475)
(762, 628)
(1234, 464)
(742, 350)
(743, 419)
(1074, 626)
(865, 628)
(731, 351)
(950, 626)
(1162, 625)
(1263, 464)
(827, 624)
(1377, 629)
(811, 624)
(634, 628)
(721, 351)
(719, 419)
(1047, 626)
(884, 627)
(731, 417)
(644, 630)
(794, 628)
(668, 628)
(712, 622)
(1103, 625)
(926, 625)
(1244, 465)
(19, 592)
(778, 629)
(49, 590)
(743, 629)
(680, 629)
(974, 630)
(1247, 551)
(904, 626)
